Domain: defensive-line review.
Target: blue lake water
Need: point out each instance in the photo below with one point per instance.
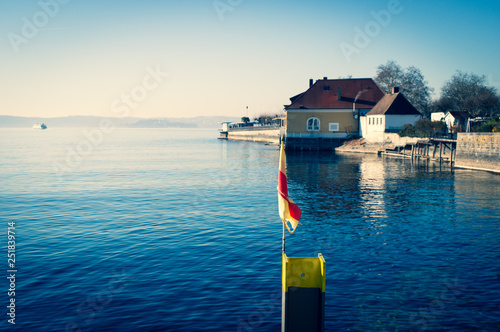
(174, 230)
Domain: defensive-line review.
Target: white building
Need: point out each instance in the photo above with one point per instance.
(437, 116)
(457, 121)
(390, 115)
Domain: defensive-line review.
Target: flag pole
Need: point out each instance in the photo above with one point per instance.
(283, 245)
(299, 295)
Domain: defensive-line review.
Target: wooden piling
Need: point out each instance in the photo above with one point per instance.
(440, 152)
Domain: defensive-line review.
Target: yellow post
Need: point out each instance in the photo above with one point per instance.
(303, 303)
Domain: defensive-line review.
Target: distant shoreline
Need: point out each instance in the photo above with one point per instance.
(208, 122)
(116, 128)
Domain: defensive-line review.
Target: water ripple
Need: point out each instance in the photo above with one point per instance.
(173, 230)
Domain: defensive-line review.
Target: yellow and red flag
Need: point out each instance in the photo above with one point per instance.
(289, 211)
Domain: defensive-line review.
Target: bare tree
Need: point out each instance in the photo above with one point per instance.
(389, 75)
(468, 92)
(416, 90)
(411, 83)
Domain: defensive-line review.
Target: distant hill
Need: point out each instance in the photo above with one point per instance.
(7, 121)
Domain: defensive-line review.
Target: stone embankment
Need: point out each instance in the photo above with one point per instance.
(479, 151)
(269, 135)
(363, 145)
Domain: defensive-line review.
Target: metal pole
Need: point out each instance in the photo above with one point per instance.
(283, 239)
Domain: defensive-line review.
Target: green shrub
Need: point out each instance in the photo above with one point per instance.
(492, 125)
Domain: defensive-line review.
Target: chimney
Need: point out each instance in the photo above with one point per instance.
(338, 93)
(325, 78)
(395, 89)
(311, 82)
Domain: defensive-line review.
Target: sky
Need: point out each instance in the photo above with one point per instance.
(176, 58)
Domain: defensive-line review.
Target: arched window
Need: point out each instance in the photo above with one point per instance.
(313, 124)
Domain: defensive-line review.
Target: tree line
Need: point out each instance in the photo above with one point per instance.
(463, 92)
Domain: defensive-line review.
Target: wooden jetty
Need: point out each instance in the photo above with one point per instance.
(434, 149)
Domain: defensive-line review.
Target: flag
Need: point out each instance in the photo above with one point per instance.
(289, 211)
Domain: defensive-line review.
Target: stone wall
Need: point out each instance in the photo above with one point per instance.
(256, 134)
(478, 151)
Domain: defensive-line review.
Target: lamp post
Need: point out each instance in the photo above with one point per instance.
(357, 116)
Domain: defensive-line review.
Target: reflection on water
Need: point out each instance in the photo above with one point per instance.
(372, 184)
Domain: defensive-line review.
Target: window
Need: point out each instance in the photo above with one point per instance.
(377, 120)
(369, 121)
(333, 127)
(381, 120)
(313, 124)
(326, 88)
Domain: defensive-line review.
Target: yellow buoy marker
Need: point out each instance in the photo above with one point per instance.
(303, 304)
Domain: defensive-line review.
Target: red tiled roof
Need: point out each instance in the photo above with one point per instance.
(394, 104)
(324, 94)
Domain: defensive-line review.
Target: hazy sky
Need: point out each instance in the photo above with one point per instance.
(204, 57)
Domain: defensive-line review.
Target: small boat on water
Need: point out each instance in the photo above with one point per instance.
(39, 126)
